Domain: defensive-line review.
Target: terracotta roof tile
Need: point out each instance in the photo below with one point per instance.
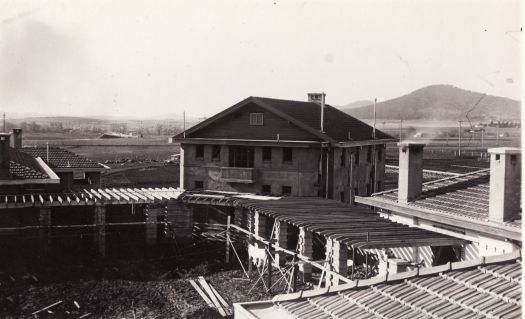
(23, 166)
(485, 291)
(61, 158)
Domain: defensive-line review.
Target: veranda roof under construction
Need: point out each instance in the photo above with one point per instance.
(90, 197)
(354, 226)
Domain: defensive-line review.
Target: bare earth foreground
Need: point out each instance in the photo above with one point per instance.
(154, 287)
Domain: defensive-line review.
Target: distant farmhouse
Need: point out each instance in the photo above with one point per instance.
(280, 147)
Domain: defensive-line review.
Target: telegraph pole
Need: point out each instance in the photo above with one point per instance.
(374, 131)
(401, 130)
(459, 144)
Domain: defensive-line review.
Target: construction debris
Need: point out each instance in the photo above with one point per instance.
(211, 296)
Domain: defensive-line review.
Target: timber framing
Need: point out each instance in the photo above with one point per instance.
(91, 197)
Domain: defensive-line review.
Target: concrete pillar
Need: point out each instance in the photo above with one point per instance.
(382, 256)
(281, 237)
(44, 219)
(505, 184)
(100, 229)
(180, 220)
(410, 171)
(250, 221)
(257, 251)
(151, 216)
(337, 254)
(259, 224)
(305, 249)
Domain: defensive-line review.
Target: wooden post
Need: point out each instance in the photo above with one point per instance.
(294, 273)
(250, 266)
(353, 262)
(100, 229)
(269, 260)
(228, 239)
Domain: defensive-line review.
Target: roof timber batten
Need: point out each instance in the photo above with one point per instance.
(89, 197)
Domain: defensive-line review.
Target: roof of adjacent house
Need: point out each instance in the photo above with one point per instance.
(23, 167)
(483, 288)
(462, 197)
(392, 176)
(59, 158)
(338, 126)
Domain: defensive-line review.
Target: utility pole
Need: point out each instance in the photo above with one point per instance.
(401, 130)
(4, 123)
(184, 124)
(459, 144)
(482, 133)
(374, 131)
(497, 132)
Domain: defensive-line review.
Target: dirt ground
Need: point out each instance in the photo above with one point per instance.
(155, 286)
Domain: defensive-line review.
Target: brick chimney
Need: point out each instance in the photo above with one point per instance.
(318, 98)
(410, 180)
(17, 138)
(505, 183)
(315, 97)
(5, 157)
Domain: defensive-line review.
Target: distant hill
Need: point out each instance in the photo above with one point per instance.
(357, 104)
(441, 102)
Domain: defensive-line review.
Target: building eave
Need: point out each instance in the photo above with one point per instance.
(366, 142)
(226, 141)
(486, 227)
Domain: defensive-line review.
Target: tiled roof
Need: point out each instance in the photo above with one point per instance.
(23, 166)
(392, 175)
(61, 158)
(337, 124)
(490, 291)
(465, 195)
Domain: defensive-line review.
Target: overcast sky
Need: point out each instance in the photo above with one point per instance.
(144, 58)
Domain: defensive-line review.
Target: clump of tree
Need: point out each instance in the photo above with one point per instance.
(505, 124)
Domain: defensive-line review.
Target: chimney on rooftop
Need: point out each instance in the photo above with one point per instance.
(505, 183)
(5, 157)
(318, 98)
(410, 180)
(17, 138)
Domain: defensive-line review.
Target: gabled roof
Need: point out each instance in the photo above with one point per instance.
(60, 158)
(24, 167)
(306, 115)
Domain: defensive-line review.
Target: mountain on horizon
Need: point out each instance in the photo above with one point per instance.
(357, 104)
(441, 102)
